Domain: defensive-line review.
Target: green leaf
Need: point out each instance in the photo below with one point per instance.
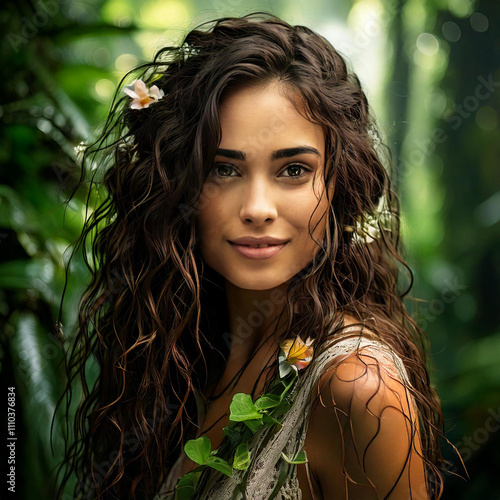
(233, 434)
(300, 458)
(241, 457)
(242, 408)
(253, 425)
(81, 128)
(28, 273)
(186, 486)
(267, 401)
(35, 355)
(247, 434)
(198, 450)
(283, 407)
(268, 420)
(221, 465)
(14, 212)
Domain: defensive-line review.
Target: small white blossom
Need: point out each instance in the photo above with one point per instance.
(141, 96)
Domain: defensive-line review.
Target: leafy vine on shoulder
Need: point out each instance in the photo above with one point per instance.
(244, 310)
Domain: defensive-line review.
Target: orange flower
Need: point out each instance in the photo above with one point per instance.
(296, 354)
(142, 97)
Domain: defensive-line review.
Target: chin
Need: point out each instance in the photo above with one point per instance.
(254, 283)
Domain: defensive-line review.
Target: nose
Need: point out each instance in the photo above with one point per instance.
(258, 203)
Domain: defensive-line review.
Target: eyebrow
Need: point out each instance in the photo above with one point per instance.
(276, 155)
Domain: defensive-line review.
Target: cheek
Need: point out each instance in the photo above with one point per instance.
(308, 207)
(314, 231)
(206, 224)
(212, 215)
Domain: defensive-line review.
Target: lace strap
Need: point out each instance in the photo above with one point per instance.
(291, 437)
(266, 448)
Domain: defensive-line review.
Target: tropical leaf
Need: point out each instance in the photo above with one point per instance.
(242, 408)
(241, 457)
(186, 486)
(35, 353)
(267, 401)
(220, 464)
(198, 450)
(254, 425)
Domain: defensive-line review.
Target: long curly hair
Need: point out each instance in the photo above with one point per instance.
(154, 318)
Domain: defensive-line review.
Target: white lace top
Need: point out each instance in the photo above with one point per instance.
(265, 450)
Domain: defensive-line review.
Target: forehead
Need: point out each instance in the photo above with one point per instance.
(262, 117)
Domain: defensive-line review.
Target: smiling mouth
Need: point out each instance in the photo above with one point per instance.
(258, 246)
(259, 251)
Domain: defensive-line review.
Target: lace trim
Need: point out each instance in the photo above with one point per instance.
(266, 448)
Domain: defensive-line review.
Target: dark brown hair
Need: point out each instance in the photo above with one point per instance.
(153, 315)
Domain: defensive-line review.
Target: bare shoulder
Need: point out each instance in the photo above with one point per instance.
(363, 439)
(365, 379)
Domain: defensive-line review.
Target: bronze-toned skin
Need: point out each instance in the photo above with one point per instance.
(260, 130)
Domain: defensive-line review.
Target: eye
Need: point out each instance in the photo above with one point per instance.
(223, 171)
(222, 167)
(294, 169)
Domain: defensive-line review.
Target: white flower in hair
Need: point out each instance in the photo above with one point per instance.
(141, 96)
(367, 226)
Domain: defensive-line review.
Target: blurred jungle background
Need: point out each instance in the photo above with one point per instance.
(431, 72)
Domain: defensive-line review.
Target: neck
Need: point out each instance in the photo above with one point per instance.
(253, 316)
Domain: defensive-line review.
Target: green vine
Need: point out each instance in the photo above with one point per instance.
(246, 418)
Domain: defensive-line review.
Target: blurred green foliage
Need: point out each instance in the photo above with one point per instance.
(433, 81)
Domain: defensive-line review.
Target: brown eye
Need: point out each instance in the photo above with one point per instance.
(221, 170)
(294, 171)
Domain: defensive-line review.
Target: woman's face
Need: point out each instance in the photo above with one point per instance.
(261, 185)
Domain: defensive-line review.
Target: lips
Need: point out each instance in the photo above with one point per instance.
(259, 246)
(258, 253)
(252, 240)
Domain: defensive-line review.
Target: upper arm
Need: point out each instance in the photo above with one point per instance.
(364, 430)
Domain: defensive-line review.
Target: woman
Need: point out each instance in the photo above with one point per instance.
(251, 132)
